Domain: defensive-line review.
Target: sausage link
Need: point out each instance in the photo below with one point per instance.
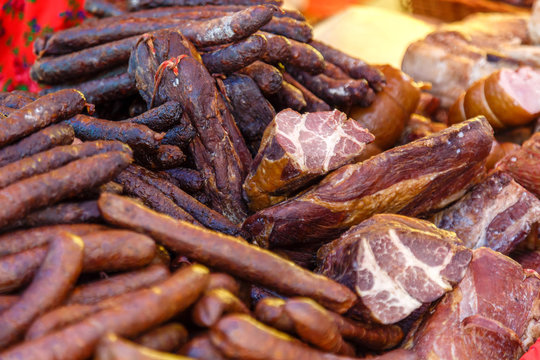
(42, 140)
(67, 181)
(233, 255)
(336, 91)
(54, 158)
(83, 63)
(138, 137)
(54, 279)
(214, 304)
(138, 4)
(188, 180)
(117, 250)
(160, 118)
(152, 196)
(38, 114)
(355, 67)
(181, 134)
(97, 291)
(240, 336)
(313, 103)
(21, 240)
(158, 304)
(289, 97)
(63, 213)
(166, 157)
(236, 56)
(168, 338)
(267, 77)
(290, 28)
(203, 214)
(113, 86)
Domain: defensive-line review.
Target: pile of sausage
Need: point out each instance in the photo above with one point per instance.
(87, 272)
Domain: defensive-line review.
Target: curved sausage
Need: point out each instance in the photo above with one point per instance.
(214, 304)
(158, 303)
(168, 338)
(233, 255)
(138, 137)
(42, 140)
(54, 158)
(56, 276)
(115, 285)
(235, 56)
(38, 191)
(38, 114)
(160, 118)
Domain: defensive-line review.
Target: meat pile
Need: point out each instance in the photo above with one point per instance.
(458, 54)
(242, 191)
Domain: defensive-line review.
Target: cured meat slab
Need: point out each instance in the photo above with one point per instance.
(491, 314)
(297, 148)
(497, 213)
(413, 179)
(395, 264)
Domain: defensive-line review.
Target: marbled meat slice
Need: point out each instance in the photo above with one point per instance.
(395, 264)
(414, 179)
(297, 148)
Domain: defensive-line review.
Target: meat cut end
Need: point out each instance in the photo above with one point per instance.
(524, 164)
(491, 314)
(497, 213)
(395, 264)
(322, 141)
(298, 148)
(523, 85)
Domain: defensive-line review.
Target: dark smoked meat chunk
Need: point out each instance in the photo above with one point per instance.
(414, 179)
(219, 151)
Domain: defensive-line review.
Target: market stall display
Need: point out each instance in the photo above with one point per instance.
(204, 180)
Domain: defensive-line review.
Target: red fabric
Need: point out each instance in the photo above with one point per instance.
(21, 22)
(533, 353)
